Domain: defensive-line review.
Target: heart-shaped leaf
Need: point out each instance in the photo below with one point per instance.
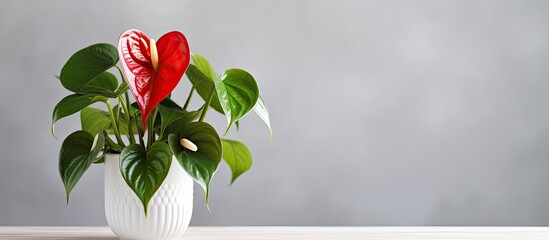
(202, 163)
(144, 171)
(152, 70)
(78, 152)
(237, 156)
(203, 77)
(238, 93)
(87, 64)
(71, 105)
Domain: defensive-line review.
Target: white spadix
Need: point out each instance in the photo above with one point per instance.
(186, 143)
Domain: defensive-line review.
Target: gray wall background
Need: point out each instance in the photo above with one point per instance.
(384, 112)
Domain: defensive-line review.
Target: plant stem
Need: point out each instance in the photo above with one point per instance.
(128, 115)
(188, 99)
(120, 71)
(112, 144)
(118, 112)
(150, 133)
(114, 125)
(207, 105)
(139, 130)
(130, 118)
(123, 104)
(130, 130)
(126, 108)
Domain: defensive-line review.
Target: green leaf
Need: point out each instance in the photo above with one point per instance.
(177, 125)
(144, 171)
(78, 152)
(262, 112)
(123, 126)
(94, 120)
(170, 104)
(234, 98)
(170, 112)
(122, 89)
(237, 156)
(105, 83)
(123, 121)
(204, 66)
(86, 64)
(202, 164)
(71, 105)
(203, 86)
(238, 93)
(202, 76)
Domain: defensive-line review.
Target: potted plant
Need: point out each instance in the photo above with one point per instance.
(152, 147)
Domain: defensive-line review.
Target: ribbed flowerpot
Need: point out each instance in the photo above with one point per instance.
(170, 208)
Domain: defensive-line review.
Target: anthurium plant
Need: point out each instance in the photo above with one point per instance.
(150, 128)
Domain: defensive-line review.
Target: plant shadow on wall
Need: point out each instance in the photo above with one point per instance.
(153, 130)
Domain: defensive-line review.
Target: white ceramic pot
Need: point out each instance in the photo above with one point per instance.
(170, 208)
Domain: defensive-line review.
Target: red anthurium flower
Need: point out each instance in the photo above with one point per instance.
(152, 70)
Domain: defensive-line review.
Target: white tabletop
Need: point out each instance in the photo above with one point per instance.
(265, 233)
